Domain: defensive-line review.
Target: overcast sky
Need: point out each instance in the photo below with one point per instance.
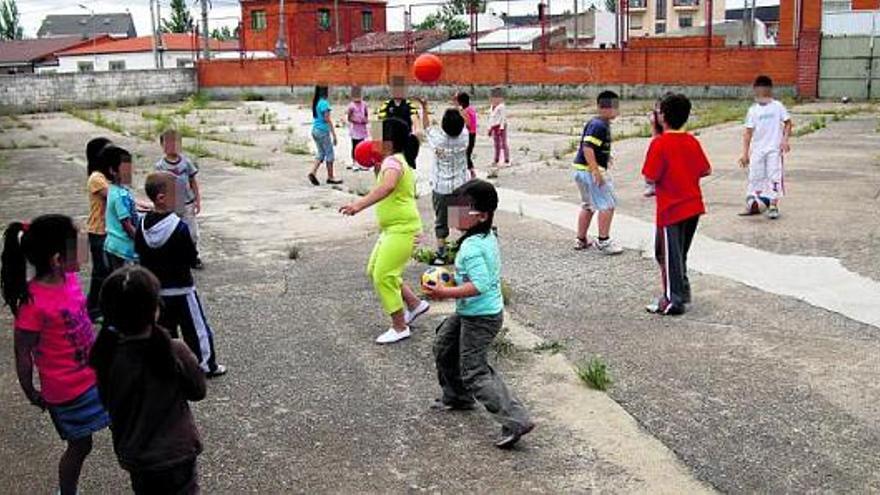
(228, 12)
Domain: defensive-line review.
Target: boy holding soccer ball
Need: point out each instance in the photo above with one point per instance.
(765, 141)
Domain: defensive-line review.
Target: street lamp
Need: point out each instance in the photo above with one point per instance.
(94, 34)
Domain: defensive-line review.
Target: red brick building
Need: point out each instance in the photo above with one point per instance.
(312, 26)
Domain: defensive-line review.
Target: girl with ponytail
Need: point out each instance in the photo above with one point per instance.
(53, 333)
(146, 380)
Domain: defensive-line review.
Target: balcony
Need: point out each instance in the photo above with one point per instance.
(686, 4)
(638, 5)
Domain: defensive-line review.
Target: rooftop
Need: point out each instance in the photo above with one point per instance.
(87, 25)
(392, 41)
(33, 50)
(171, 42)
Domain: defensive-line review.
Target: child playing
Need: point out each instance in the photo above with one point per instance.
(189, 195)
(449, 171)
(462, 342)
(324, 136)
(165, 247)
(358, 118)
(398, 107)
(498, 127)
(146, 380)
(675, 164)
(97, 187)
(656, 130)
(470, 119)
(594, 184)
(53, 332)
(765, 141)
(399, 222)
(121, 216)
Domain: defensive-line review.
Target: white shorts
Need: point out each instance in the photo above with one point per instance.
(766, 175)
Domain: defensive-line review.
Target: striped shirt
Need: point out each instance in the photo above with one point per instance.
(449, 169)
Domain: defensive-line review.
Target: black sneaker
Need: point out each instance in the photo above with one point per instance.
(334, 182)
(441, 406)
(220, 370)
(314, 180)
(509, 438)
(663, 307)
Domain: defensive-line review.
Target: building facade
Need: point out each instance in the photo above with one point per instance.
(311, 27)
(658, 17)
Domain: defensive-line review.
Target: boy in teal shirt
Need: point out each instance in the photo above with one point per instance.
(121, 213)
(462, 343)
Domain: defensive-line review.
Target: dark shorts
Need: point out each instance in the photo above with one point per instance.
(354, 145)
(80, 417)
(182, 479)
(441, 214)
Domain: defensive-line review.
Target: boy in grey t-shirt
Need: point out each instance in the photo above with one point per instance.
(188, 198)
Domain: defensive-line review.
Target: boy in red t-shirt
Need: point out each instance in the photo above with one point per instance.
(675, 164)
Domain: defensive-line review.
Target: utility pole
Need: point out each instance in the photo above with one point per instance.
(161, 43)
(336, 18)
(205, 34)
(281, 44)
(155, 35)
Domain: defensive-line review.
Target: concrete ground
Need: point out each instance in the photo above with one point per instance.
(750, 392)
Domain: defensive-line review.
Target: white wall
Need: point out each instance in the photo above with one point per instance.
(606, 31)
(133, 61)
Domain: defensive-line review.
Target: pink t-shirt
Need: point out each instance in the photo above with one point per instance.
(59, 315)
(471, 119)
(357, 113)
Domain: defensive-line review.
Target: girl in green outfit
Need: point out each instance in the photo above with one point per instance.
(399, 223)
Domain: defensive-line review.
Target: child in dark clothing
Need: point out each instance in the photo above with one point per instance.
(675, 164)
(145, 380)
(165, 247)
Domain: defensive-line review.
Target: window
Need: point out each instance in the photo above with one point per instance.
(85, 66)
(685, 22)
(324, 19)
(660, 10)
(258, 20)
(660, 28)
(637, 4)
(117, 65)
(183, 63)
(635, 22)
(367, 21)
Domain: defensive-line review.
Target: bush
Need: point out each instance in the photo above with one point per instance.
(594, 373)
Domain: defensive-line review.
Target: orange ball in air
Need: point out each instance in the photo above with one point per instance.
(427, 68)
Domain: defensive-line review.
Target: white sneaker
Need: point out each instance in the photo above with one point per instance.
(608, 247)
(411, 316)
(392, 336)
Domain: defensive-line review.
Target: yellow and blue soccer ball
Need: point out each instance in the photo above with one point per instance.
(437, 276)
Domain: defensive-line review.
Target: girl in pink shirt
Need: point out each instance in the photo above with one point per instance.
(53, 333)
(470, 120)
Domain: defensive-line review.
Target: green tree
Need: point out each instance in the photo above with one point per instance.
(223, 34)
(611, 5)
(10, 21)
(181, 21)
(446, 18)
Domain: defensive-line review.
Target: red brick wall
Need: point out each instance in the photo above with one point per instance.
(722, 66)
(865, 4)
(675, 42)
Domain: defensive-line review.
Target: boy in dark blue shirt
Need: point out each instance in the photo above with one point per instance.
(591, 176)
(165, 247)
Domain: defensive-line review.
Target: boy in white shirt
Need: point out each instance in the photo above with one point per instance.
(765, 141)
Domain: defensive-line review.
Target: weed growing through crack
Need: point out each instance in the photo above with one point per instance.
(293, 252)
(551, 346)
(502, 345)
(814, 125)
(594, 373)
(296, 148)
(506, 292)
(248, 163)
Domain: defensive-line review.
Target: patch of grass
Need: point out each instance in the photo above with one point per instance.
(717, 113)
(293, 252)
(223, 139)
(268, 117)
(642, 131)
(13, 145)
(296, 148)
(198, 150)
(21, 123)
(506, 292)
(594, 373)
(551, 346)
(251, 96)
(814, 125)
(97, 118)
(502, 345)
(248, 163)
